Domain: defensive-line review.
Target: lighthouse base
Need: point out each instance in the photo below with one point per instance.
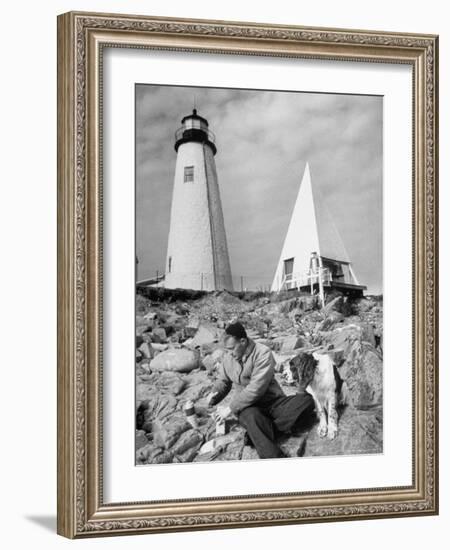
(198, 281)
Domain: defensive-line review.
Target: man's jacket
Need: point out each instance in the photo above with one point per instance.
(253, 377)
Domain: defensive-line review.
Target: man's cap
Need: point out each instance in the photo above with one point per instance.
(237, 330)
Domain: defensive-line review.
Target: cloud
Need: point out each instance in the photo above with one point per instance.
(264, 140)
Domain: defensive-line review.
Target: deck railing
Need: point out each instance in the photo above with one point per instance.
(299, 280)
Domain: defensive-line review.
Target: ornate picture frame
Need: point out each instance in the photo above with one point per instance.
(82, 39)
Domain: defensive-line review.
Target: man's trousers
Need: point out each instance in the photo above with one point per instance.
(263, 421)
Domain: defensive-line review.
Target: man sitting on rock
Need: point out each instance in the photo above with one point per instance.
(259, 404)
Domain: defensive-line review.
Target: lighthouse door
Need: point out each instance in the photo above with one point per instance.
(288, 271)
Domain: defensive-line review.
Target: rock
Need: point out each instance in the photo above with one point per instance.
(213, 360)
(363, 373)
(198, 386)
(160, 347)
(347, 308)
(364, 305)
(368, 334)
(166, 434)
(257, 326)
(197, 391)
(337, 356)
(155, 339)
(291, 343)
(208, 457)
(330, 321)
(167, 382)
(182, 309)
(146, 350)
(206, 335)
(153, 455)
(307, 303)
(160, 335)
(150, 316)
(159, 406)
(208, 349)
(335, 304)
(234, 450)
(143, 368)
(140, 439)
(142, 321)
(249, 453)
(190, 440)
(343, 338)
(192, 326)
(144, 389)
(311, 321)
(287, 306)
(177, 359)
(139, 340)
(220, 442)
(349, 330)
(359, 432)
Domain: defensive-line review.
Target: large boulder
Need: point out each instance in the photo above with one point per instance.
(363, 373)
(176, 359)
(359, 432)
(343, 337)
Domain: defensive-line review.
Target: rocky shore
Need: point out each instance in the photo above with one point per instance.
(178, 350)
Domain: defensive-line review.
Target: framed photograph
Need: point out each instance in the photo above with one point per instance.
(247, 284)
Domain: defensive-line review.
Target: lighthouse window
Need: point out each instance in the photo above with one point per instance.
(188, 173)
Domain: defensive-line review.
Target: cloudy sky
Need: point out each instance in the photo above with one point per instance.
(264, 140)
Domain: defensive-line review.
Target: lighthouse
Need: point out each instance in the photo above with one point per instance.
(197, 251)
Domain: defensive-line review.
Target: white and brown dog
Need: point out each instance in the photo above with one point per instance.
(316, 374)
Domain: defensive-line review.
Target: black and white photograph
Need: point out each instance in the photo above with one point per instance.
(259, 274)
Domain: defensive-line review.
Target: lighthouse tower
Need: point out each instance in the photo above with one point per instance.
(197, 252)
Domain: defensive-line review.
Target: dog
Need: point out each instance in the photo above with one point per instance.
(316, 374)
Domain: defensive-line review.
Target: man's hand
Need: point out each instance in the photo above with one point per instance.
(222, 414)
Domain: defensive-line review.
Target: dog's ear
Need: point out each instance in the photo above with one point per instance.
(306, 366)
(293, 367)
